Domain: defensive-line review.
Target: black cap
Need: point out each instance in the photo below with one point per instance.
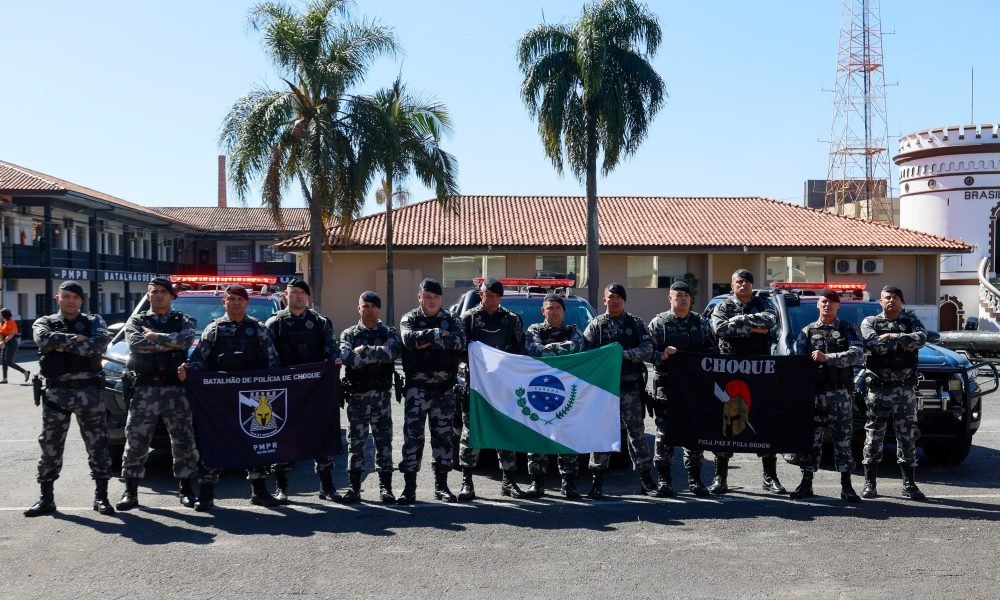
(492, 284)
(743, 274)
(554, 298)
(370, 296)
(432, 286)
(680, 286)
(617, 288)
(830, 295)
(163, 282)
(238, 290)
(301, 284)
(894, 290)
(72, 286)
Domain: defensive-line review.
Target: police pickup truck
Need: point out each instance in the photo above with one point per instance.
(950, 388)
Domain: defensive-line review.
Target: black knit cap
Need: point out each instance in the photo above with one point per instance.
(830, 295)
(301, 284)
(372, 297)
(555, 298)
(238, 290)
(72, 286)
(163, 282)
(492, 284)
(617, 288)
(680, 286)
(432, 286)
(894, 290)
(743, 274)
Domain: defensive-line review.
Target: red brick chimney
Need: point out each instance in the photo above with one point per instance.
(222, 181)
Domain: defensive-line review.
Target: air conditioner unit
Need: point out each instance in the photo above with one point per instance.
(845, 266)
(871, 266)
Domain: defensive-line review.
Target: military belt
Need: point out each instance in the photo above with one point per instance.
(441, 386)
(361, 389)
(78, 384)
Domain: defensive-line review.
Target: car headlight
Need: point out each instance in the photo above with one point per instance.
(955, 384)
(971, 373)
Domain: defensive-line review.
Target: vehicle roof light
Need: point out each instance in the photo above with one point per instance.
(251, 279)
(515, 282)
(814, 285)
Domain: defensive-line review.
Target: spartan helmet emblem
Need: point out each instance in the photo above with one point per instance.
(263, 413)
(736, 410)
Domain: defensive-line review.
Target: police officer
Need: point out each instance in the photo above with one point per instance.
(302, 336)
(433, 345)
(676, 330)
(892, 340)
(369, 351)
(70, 345)
(616, 325)
(158, 341)
(743, 323)
(233, 342)
(553, 337)
(497, 327)
(835, 348)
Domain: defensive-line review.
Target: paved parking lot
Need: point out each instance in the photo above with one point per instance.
(748, 544)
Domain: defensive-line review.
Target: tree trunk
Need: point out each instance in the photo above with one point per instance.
(389, 280)
(593, 235)
(316, 252)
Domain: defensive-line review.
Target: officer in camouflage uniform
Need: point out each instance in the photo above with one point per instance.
(616, 325)
(835, 347)
(892, 340)
(673, 331)
(497, 327)
(233, 342)
(158, 341)
(369, 351)
(553, 337)
(302, 336)
(433, 344)
(743, 323)
(70, 346)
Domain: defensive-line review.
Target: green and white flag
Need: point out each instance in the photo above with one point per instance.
(551, 405)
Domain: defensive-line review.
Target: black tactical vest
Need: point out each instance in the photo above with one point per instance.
(556, 335)
(375, 376)
(686, 336)
(432, 359)
(241, 350)
(492, 330)
(757, 344)
(829, 341)
(55, 364)
(160, 367)
(300, 341)
(629, 335)
(894, 360)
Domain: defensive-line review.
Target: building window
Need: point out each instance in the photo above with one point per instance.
(655, 271)
(459, 271)
(43, 305)
(238, 254)
(269, 254)
(795, 268)
(562, 267)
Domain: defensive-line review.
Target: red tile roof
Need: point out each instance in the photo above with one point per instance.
(237, 218)
(627, 222)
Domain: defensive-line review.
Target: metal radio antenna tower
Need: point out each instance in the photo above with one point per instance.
(858, 180)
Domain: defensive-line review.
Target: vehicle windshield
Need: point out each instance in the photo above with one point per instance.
(853, 312)
(205, 309)
(530, 311)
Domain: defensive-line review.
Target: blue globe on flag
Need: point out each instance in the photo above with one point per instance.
(546, 393)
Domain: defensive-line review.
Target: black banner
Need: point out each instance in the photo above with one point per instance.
(747, 404)
(264, 417)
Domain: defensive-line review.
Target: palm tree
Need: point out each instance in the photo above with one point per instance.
(408, 143)
(307, 133)
(592, 88)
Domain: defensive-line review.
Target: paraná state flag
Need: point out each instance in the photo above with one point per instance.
(565, 404)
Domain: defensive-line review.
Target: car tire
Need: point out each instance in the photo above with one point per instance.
(948, 452)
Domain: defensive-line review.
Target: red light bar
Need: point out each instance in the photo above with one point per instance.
(251, 279)
(803, 285)
(539, 282)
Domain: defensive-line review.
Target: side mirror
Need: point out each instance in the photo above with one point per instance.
(114, 328)
(933, 337)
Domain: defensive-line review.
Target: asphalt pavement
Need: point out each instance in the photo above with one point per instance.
(747, 544)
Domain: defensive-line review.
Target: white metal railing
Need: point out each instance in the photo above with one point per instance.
(989, 294)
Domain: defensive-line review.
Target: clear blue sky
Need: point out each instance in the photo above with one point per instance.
(127, 97)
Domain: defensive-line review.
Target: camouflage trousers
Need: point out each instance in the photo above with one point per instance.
(369, 412)
(900, 406)
(632, 414)
(538, 464)
(149, 403)
(58, 409)
(437, 408)
(663, 453)
(833, 410)
(469, 457)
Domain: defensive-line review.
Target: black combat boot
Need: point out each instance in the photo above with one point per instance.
(130, 497)
(770, 482)
(720, 483)
(805, 487)
(568, 488)
(847, 492)
(468, 491)
(871, 474)
(385, 487)
(101, 502)
(910, 489)
(537, 488)
(666, 487)
(326, 489)
(206, 497)
(409, 493)
(694, 481)
(46, 502)
(185, 493)
(441, 491)
(353, 493)
(597, 487)
(508, 487)
(647, 487)
(259, 495)
(281, 486)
